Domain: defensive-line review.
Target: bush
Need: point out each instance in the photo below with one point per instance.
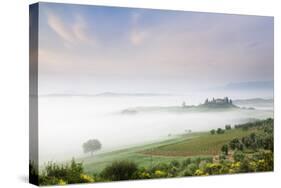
(238, 156)
(246, 165)
(120, 170)
(54, 174)
(143, 173)
(220, 131)
(224, 149)
(186, 162)
(196, 161)
(190, 170)
(213, 168)
(160, 174)
(234, 144)
(160, 166)
(175, 163)
(199, 172)
(264, 161)
(213, 131)
(227, 127)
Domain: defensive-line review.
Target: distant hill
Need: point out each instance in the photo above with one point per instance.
(254, 85)
(224, 104)
(254, 100)
(109, 94)
(104, 94)
(258, 103)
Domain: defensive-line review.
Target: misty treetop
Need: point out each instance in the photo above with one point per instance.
(91, 146)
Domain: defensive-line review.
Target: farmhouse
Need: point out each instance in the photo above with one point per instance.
(223, 101)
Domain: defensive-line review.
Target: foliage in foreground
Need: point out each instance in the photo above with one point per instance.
(127, 170)
(55, 174)
(252, 153)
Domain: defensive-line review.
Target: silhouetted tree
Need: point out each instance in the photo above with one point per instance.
(220, 131)
(224, 149)
(227, 127)
(91, 146)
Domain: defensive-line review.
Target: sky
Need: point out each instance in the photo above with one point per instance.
(93, 49)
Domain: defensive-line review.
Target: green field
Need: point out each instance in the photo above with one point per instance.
(203, 144)
(178, 148)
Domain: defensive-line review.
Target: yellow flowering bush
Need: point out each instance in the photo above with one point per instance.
(261, 165)
(61, 182)
(234, 167)
(199, 172)
(160, 173)
(86, 178)
(213, 168)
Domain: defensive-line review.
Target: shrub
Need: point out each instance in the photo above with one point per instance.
(246, 165)
(160, 166)
(54, 174)
(224, 149)
(173, 171)
(143, 173)
(238, 156)
(220, 131)
(268, 142)
(61, 182)
(160, 174)
(190, 170)
(235, 167)
(199, 172)
(213, 168)
(196, 161)
(186, 162)
(235, 144)
(264, 161)
(86, 178)
(227, 127)
(175, 163)
(120, 170)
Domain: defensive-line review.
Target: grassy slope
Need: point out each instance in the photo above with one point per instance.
(205, 144)
(97, 163)
(179, 148)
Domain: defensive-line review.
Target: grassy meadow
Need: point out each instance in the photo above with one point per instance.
(190, 145)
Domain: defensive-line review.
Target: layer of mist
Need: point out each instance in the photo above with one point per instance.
(66, 122)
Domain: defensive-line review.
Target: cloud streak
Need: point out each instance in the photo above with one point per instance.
(71, 34)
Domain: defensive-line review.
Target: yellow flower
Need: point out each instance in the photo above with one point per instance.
(61, 182)
(160, 173)
(87, 178)
(145, 175)
(199, 172)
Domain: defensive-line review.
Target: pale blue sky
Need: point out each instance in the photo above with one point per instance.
(91, 49)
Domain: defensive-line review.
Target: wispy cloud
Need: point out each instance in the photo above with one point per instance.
(72, 34)
(57, 25)
(137, 35)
